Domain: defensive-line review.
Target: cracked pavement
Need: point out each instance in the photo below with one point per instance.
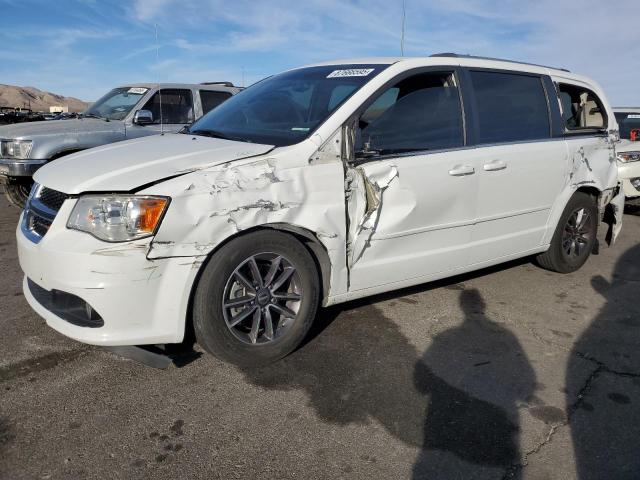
(510, 372)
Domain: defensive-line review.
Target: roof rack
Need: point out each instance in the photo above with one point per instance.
(457, 55)
(224, 84)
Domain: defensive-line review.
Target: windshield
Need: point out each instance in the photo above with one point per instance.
(628, 121)
(116, 104)
(286, 108)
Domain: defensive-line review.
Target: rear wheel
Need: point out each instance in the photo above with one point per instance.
(17, 190)
(575, 236)
(256, 299)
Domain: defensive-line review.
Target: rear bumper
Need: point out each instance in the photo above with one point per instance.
(138, 301)
(19, 168)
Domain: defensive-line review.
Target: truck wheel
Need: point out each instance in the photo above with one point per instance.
(17, 190)
(574, 237)
(256, 299)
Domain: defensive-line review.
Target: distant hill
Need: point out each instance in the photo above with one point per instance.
(12, 96)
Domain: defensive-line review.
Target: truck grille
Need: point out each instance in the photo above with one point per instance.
(40, 211)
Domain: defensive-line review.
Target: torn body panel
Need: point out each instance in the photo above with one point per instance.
(365, 189)
(591, 167)
(211, 206)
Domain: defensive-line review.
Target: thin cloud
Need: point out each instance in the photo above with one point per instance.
(223, 38)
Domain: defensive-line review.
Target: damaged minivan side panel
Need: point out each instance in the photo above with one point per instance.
(213, 205)
(591, 166)
(410, 221)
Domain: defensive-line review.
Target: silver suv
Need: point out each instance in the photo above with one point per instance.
(126, 112)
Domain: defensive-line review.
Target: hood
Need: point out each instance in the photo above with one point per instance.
(627, 146)
(30, 130)
(124, 166)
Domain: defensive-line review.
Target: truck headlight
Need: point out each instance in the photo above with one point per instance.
(626, 157)
(118, 218)
(18, 149)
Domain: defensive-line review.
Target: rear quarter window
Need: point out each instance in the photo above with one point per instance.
(581, 109)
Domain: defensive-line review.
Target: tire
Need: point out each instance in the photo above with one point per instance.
(230, 333)
(575, 236)
(17, 190)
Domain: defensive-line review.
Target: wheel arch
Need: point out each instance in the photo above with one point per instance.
(561, 204)
(588, 189)
(305, 236)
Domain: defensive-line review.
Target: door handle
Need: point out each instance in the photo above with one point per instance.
(494, 166)
(462, 170)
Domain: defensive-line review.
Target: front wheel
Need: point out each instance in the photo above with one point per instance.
(575, 236)
(256, 299)
(17, 190)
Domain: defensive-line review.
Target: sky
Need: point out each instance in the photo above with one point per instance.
(83, 48)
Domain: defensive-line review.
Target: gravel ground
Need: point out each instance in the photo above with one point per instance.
(510, 372)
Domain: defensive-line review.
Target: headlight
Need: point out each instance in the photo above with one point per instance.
(627, 157)
(118, 218)
(19, 149)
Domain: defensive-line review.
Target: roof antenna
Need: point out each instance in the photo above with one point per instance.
(404, 16)
(159, 89)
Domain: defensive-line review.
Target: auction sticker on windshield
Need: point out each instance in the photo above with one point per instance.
(352, 72)
(137, 90)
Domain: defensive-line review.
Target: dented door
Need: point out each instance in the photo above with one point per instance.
(410, 217)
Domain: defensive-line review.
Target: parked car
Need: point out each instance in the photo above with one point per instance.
(66, 116)
(628, 151)
(9, 115)
(125, 112)
(313, 187)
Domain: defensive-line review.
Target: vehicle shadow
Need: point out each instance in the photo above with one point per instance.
(457, 402)
(605, 418)
(185, 353)
(327, 315)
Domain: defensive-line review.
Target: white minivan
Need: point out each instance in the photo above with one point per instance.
(316, 186)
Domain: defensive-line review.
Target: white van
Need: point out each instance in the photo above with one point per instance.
(317, 186)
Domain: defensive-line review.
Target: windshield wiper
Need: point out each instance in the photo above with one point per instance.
(216, 134)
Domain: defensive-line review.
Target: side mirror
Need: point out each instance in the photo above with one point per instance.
(143, 117)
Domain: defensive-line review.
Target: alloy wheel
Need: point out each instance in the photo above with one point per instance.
(262, 298)
(577, 233)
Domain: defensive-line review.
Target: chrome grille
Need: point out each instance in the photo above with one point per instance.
(38, 224)
(40, 211)
(52, 198)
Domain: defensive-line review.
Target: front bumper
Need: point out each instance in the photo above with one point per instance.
(19, 168)
(140, 301)
(626, 173)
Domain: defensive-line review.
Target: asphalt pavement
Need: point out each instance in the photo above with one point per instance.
(509, 372)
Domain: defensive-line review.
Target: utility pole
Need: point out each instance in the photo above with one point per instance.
(404, 17)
